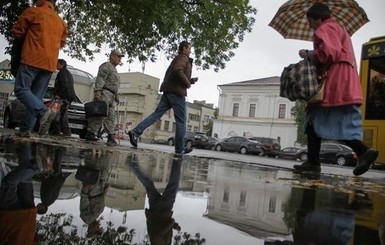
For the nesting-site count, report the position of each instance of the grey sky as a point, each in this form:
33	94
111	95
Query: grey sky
263	53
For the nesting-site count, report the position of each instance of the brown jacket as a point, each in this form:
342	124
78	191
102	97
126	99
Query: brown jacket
178	75
44	33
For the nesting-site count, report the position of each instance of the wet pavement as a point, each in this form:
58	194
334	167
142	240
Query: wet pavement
87	193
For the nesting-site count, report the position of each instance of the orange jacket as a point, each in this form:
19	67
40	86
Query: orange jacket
44	33
18	227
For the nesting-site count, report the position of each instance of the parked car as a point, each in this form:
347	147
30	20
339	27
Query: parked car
204	142
270	146
336	153
14	112
239	144
188	139
293	153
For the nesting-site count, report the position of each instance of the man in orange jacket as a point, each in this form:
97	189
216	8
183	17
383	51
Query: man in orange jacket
43	32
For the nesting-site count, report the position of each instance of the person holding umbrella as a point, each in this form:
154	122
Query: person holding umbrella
338	115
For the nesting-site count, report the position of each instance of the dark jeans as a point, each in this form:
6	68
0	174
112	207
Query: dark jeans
60	124
165	201
168	101
16	191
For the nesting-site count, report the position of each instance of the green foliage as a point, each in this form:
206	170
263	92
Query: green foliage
298	112
142	28
57	229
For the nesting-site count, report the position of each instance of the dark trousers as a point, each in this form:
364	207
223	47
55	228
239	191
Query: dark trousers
61	121
314	145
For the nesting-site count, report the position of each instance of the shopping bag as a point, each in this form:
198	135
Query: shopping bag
55	105
299	81
96	108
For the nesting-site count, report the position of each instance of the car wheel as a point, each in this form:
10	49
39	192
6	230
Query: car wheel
189	144
7	121
262	153
243	150
341	161
218	148
171	142
303	157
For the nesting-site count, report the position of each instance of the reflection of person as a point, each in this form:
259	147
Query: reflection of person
106	89
43	33
338	115
93	192
159	214
51	185
174	87
17	206
65	92
324	226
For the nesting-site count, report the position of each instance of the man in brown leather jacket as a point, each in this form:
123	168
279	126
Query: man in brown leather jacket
174	87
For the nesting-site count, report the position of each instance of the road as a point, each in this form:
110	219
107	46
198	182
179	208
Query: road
328	169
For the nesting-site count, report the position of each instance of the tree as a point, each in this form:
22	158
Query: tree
298	112
141	28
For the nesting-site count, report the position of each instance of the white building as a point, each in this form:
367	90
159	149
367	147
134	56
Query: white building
254	108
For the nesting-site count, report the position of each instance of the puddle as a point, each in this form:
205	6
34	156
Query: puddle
95	194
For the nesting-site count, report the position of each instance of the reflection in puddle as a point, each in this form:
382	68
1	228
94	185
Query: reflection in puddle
101	195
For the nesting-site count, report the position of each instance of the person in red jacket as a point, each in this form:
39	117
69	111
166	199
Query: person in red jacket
43	32
337	116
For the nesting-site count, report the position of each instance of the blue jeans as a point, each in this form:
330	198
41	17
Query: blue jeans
30	87
16	191
167	101
159	202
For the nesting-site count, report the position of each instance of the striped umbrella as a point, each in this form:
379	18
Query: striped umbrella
291	22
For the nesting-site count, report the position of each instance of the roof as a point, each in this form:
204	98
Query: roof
255	82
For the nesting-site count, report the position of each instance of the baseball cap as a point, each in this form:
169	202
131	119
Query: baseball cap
117	53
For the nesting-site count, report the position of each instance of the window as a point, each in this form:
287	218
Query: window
174	127
226	195
272	204
252	110
195	129
157	125
189	128
242	199
166	125
282	111
235	109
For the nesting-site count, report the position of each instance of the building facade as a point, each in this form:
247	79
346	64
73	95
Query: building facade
254	108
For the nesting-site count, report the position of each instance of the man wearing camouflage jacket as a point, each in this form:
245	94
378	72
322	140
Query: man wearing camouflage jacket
106	89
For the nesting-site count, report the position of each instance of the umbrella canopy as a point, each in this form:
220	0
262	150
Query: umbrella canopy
291	22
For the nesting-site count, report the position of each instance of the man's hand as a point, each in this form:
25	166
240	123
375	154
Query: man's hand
303	53
193	80
98	95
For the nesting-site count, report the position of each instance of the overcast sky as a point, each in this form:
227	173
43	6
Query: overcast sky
263	53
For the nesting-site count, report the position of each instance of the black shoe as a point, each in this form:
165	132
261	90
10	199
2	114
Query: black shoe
306	166
111	141
90	136
23	134
364	161
184	152
133	139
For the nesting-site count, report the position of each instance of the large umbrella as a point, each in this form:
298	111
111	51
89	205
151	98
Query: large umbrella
291	22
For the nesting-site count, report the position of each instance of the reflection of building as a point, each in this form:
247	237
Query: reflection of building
254	108
251	201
